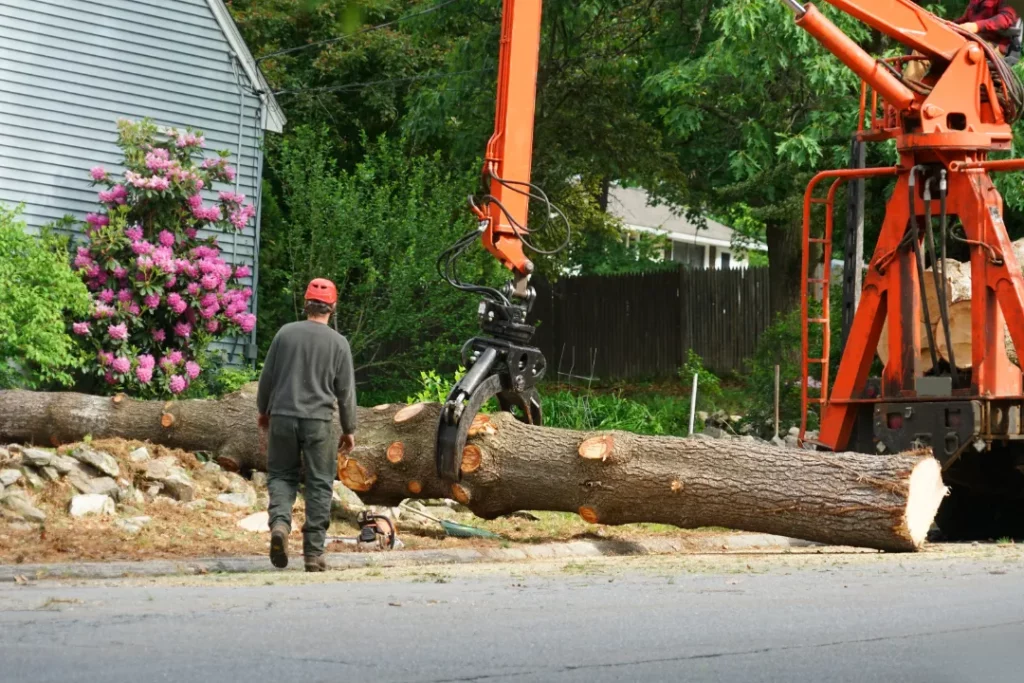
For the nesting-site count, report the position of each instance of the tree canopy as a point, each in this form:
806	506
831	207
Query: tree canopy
722	106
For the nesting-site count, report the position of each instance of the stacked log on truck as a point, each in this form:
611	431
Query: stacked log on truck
958	295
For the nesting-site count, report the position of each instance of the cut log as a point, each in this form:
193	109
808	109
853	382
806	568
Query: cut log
607	478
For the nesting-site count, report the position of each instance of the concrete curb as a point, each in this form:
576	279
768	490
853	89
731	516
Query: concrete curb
354	560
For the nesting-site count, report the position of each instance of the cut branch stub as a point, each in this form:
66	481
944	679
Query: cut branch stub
381	408
471	457
460	494
396	452
409	413
482	426
354	476
598	447
167	420
117	399
414	487
588	514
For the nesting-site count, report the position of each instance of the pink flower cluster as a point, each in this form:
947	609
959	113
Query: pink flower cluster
160	293
115	195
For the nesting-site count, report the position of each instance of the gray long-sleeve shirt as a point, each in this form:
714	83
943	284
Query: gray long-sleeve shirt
307	369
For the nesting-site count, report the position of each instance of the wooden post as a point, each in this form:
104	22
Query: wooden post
776	401
693	402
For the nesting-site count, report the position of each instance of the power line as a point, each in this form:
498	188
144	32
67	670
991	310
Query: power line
368	29
367	84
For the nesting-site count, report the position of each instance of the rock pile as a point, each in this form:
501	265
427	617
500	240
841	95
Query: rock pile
101	486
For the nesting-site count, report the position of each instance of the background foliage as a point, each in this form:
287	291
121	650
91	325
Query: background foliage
37	291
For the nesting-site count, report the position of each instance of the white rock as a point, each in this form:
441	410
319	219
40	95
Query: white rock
10	477
18	502
64	464
199	504
792	441
239	500
50	473
154	490
259	480
258	521
778	441
211	468
104	462
139	455
36	457
92	504
794	431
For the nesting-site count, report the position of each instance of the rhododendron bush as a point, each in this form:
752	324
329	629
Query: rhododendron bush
160	292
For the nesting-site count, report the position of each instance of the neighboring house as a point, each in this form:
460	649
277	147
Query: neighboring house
710	247
70	68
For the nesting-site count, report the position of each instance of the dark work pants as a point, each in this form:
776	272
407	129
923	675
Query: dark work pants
317	441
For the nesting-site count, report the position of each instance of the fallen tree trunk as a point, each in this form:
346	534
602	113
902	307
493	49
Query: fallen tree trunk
605	477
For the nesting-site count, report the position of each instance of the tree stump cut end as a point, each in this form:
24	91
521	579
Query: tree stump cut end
396	452
482	426
925	492
471	457
356	477
460	494
409	413
597	447
588	514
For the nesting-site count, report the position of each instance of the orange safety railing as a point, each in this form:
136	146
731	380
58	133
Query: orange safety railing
841	176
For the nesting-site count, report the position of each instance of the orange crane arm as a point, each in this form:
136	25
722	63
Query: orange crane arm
510	150
908	23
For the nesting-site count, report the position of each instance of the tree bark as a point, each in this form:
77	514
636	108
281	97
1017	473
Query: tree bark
606	477
225	427
785	261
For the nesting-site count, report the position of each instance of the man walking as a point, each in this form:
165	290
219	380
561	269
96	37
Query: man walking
308	368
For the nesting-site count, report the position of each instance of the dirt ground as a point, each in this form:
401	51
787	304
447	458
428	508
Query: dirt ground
177	530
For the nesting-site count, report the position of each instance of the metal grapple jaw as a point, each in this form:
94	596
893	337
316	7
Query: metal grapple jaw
500	366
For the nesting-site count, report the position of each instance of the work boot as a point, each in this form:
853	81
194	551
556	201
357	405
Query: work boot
279	545
316	563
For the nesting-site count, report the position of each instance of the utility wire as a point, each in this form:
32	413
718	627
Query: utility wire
366	84
368	29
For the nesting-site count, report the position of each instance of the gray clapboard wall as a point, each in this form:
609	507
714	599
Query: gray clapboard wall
70	68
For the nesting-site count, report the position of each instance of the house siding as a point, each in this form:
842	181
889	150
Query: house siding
70	68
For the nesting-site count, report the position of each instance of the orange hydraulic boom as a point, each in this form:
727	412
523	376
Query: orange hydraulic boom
501	363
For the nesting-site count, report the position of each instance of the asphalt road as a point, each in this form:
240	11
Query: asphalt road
895	618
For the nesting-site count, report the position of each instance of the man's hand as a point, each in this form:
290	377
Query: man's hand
346	443
970	27
263	421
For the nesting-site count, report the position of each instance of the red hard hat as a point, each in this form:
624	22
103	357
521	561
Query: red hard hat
323	291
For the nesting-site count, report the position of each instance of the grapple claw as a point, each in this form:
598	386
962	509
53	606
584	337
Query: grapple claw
502	370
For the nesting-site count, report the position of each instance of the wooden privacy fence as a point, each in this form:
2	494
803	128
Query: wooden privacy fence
641	326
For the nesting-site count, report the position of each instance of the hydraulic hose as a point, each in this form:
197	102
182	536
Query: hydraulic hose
919	257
